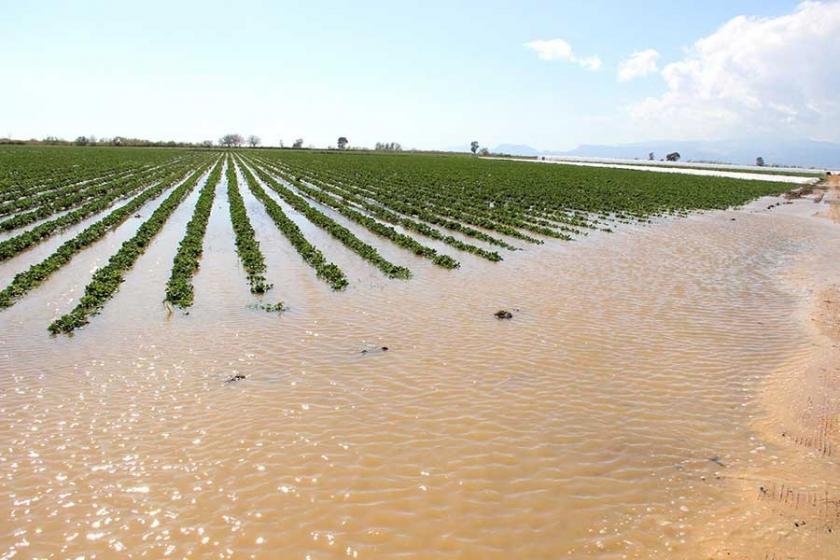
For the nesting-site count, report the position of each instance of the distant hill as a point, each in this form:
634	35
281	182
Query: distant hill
516	150
801	153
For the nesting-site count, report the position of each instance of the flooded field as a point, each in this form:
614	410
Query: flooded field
661	391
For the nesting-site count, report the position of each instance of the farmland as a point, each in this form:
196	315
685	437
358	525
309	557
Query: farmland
469	208
288	353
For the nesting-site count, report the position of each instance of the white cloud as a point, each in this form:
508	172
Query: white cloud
639	64
558	49
753	77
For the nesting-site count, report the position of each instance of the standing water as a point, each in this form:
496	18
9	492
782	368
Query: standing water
627	410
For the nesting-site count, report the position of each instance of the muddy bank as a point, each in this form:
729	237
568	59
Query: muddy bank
831	190
786	503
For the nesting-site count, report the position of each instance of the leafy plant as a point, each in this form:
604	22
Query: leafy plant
179	288
106	281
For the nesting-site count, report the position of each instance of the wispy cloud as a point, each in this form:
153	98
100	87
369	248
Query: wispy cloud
637	65
558	49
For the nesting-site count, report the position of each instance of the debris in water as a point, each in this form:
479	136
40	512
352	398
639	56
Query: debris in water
235	378
503	314
716	460
370	351
278	307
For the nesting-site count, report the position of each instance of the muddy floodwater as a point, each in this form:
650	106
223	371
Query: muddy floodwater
660	392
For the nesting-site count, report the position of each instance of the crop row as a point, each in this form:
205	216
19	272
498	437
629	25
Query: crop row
525	195
521	188
409	209
179	287
392	217
460	206
415	202
58	195
28	169
74	194
310	254
15	245
37	273
371	224
71	180
335	229
106	281
247	246
111	190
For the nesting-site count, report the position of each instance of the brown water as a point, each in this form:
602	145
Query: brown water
622	413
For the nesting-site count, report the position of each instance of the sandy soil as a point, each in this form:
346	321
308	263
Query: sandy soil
791	500
833	197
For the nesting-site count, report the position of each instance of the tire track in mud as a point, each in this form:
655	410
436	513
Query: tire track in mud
818	505
818	423
811	509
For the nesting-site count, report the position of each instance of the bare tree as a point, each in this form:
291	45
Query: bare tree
207	143
759	161
231	140
388	147
281	143
254	140
342	142
298	143
474	146
484	152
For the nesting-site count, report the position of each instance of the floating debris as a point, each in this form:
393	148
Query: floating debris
269	307
716	460
235	378
503	314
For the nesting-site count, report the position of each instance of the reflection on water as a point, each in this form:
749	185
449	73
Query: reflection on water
596	423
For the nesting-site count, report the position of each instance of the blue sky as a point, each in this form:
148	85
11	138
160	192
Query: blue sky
426	74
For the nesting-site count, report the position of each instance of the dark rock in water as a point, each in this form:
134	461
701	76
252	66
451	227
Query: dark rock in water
503	314
732	219
384	348
716	460
380	349
235	378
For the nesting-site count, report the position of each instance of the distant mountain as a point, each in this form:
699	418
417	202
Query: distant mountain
801	153
516	150
798	153
458	149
